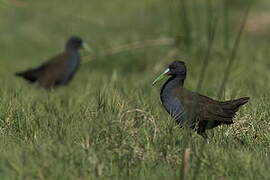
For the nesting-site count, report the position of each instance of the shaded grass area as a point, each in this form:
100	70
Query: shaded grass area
109	123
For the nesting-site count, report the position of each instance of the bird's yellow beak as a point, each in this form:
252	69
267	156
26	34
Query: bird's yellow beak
160	77
86	47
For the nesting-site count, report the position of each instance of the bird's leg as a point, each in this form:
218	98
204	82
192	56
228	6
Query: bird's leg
205	136
201	131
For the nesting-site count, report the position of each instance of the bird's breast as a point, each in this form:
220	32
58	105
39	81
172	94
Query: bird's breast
72	64
173	106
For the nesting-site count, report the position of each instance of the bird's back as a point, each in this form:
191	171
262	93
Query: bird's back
201	108
59	70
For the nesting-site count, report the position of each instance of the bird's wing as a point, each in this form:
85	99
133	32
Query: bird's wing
202	107
54	71
211	110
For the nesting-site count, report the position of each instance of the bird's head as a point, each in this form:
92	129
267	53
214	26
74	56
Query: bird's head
76	43
176	69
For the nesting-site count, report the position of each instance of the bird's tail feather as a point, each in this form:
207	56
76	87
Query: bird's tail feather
30	75
234	105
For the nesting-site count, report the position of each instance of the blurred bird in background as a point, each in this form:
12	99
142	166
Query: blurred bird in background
60	69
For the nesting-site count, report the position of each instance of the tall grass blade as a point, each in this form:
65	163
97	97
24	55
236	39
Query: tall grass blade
211	35
186	24
227	72
233	54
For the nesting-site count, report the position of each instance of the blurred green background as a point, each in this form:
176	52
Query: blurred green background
108	123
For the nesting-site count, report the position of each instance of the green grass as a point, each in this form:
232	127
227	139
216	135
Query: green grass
108	123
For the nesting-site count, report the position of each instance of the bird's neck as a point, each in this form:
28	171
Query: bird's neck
70	50
73	57
170	100
73	54
172	83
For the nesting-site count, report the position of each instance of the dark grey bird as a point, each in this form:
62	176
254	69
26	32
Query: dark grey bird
60	69
191	109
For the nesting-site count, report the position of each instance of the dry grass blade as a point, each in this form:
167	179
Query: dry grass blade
18	3
185	163
147	115
164	41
